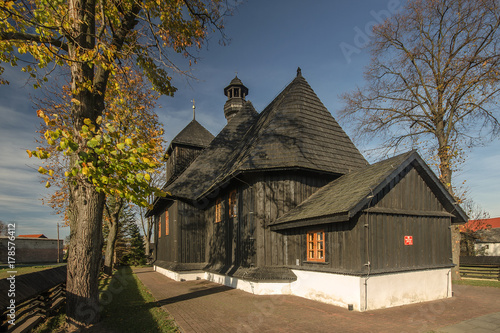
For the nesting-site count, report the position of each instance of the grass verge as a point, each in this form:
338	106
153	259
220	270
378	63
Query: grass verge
478	283
53	323
26	269
129	307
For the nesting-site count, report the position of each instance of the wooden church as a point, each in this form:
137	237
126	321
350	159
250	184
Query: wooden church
282	202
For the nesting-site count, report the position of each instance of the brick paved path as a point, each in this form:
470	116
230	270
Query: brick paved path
202	306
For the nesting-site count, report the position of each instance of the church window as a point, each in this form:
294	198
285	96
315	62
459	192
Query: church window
218	210
159	227
316	246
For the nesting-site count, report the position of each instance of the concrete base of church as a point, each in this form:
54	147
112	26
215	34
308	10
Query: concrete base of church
361	292
376	291
180	276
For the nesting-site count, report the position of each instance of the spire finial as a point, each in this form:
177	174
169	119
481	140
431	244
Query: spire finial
194	107
299	71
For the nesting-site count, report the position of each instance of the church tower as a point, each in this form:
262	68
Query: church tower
236	93
185	147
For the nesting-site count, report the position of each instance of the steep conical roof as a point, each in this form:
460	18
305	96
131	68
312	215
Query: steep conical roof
296	130
194	134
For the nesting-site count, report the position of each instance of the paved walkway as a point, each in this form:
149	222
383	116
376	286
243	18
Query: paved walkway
202	306
483	324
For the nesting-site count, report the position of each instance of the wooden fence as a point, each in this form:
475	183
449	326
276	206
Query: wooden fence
480	272
480	267
36	296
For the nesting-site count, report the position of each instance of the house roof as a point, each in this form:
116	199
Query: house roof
33	236
294	131
194	134
488	236
344	197
494	222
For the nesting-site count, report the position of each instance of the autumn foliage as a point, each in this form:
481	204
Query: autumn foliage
94	42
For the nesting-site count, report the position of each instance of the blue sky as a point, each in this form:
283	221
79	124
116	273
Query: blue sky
269	40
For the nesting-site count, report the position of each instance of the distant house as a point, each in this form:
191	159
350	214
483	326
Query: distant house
282	202
32	250
488	241
32	236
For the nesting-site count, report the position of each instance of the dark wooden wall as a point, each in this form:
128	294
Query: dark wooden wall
246	240
276	194
345	249
232	241
179	160
190	226
409	192
166	249
405	207
387	251
408	207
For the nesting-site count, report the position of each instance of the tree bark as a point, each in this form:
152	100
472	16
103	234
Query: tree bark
113	210
82	294
86	204
110	247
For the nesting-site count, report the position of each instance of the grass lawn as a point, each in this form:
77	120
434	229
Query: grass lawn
127	307
26	269
478	283
131	307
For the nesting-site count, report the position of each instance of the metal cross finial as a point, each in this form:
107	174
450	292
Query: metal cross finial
194	107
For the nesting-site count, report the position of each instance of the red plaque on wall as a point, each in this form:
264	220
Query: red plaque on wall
408	240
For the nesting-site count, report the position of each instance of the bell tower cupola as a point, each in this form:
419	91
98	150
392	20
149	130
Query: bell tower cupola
236	93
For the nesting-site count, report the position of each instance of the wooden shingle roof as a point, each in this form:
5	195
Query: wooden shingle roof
295	131
488	236
344	197
194	134
202	172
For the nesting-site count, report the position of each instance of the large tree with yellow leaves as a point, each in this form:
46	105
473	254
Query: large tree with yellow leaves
94	39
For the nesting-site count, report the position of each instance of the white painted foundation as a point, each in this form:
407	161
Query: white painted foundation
180	276
256	288
363	293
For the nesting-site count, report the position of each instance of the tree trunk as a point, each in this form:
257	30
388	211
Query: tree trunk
110	247
146	245
82	294
445	177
